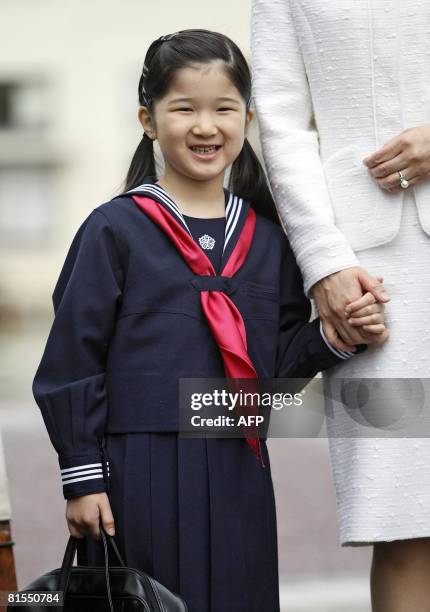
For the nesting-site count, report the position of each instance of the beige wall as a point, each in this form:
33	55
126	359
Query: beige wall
90	54
5	509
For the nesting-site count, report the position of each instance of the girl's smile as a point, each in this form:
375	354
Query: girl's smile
205	152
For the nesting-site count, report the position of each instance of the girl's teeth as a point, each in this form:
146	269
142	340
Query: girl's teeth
204	149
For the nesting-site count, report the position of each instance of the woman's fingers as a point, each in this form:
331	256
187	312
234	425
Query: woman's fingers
392	182
365	300
408	152
391	166
388	151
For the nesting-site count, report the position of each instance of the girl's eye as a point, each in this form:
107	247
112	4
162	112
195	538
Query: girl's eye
185	108
225	108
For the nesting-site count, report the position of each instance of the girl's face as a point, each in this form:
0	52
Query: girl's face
199	123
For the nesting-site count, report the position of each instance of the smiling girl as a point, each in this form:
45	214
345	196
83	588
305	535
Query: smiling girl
178	277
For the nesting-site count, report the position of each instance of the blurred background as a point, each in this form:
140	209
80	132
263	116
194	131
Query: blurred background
68	127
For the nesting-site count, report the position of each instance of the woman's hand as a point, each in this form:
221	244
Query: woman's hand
333	293
408	152
368	314
83	515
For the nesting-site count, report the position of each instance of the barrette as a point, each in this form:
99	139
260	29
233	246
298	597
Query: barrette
168	36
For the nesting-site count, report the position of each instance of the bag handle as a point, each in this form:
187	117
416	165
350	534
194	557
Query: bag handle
69	555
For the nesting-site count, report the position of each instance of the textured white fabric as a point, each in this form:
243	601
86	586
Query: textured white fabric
383	485
334	80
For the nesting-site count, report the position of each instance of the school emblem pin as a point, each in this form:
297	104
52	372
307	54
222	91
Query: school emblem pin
207	242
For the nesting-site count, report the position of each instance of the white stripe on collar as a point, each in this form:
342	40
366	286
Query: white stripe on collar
232	219
232	210
164	197
229	203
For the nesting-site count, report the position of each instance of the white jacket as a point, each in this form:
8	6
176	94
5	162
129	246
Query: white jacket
333	81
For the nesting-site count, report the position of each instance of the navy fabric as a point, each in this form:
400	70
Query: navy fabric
197	514
214	228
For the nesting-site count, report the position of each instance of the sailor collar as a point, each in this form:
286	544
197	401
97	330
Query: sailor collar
236	209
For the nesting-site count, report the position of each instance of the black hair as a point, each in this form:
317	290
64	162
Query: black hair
164	58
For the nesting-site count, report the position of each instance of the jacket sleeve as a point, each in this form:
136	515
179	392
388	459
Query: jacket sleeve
303	350
69	385
290	144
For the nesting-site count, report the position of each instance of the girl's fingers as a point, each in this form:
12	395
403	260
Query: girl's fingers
365	300
375	329
107	516
373	319
368	310
75	532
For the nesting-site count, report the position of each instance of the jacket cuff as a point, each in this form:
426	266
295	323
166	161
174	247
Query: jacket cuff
84	474
336	354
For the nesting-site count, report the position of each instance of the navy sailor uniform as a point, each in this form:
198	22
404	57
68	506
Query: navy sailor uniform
197	514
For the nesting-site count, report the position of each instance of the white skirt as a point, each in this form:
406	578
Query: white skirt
383	484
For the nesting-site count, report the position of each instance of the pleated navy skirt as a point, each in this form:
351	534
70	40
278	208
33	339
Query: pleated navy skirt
198	515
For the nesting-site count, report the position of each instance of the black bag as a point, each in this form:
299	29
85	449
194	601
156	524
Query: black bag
102	588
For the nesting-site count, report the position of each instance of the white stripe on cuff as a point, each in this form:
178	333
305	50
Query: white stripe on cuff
339	353
80	467
81	479
81	472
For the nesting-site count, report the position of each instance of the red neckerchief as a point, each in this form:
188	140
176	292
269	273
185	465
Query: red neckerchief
224	319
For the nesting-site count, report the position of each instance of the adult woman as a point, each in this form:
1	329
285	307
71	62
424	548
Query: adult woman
336	84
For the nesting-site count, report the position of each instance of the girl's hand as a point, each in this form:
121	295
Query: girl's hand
83	515
408	152
368	314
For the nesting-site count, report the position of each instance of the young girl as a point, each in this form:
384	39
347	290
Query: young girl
178	277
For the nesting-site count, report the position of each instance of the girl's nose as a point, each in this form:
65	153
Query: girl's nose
204	127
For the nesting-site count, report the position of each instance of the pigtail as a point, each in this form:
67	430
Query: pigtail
142	164
248	179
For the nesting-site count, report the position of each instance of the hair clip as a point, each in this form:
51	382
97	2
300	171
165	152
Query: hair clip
168	36
146	98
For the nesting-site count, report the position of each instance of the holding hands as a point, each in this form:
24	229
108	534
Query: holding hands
351	307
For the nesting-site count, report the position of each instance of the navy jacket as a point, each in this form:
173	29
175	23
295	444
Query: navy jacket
128	324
